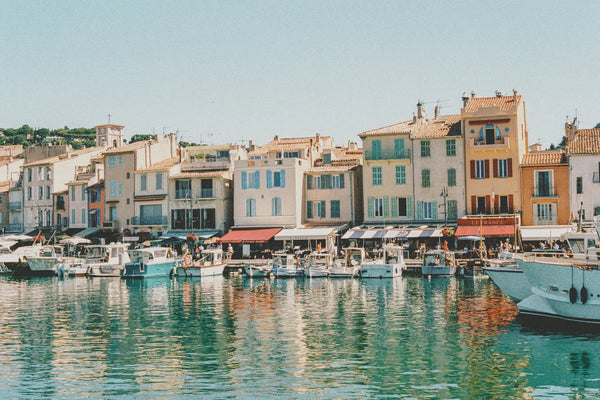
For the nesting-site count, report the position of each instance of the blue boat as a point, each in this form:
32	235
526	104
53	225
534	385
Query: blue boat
150	262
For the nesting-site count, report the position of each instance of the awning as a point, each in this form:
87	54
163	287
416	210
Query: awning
486	230
72	231
87	232
202	234
250	235
535	233
305	233
392	233
75	241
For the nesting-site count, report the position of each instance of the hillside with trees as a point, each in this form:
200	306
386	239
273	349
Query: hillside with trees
28	136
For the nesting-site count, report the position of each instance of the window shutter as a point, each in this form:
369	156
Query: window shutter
309	182
386	207
244	180
257	180
370	207
341	181
434	209
495	167
322	182
394	206
509	164
309	210
510	203
497	204
472	169
487	204
323	205
419	210
487	169
409	207
282	178
474	204
269	179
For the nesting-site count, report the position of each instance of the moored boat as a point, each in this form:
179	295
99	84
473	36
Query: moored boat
104	260
149	262
211	263
258	270
16	261
349	266
286	266
318	265
48	259
438	263
390	265
507	275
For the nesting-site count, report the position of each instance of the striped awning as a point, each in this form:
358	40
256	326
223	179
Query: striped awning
410	233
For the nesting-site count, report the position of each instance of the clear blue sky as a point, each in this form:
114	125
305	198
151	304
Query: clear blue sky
252	69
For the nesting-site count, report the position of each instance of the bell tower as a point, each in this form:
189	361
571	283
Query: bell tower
109	135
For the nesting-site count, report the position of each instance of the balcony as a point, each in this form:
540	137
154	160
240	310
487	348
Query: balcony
60	206
544	192
14	228
205	193
387	155
14	206
183	194
596	177
111	224
156	220
481	145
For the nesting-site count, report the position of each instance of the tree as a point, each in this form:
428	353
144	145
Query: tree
139	138
597	126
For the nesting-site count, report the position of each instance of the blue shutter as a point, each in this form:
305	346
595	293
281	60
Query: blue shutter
257	180
269	179
282	179
309	210
481	134
386	207
323	205
370	207
419	210
309	182
434	209
244	180
394	207
341	181
409	207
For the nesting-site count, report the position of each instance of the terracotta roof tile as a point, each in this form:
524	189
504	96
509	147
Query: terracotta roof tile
128	147
548	157
52	160
290	144
402	127
161	166
505	103
443	125
203	174
586	141
332	167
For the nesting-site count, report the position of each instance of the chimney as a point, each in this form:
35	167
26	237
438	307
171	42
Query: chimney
515	94
414	119
420	110
571	129
472	94
436	112
276	137
465	98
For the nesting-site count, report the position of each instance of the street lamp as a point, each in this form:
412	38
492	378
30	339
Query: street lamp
444	194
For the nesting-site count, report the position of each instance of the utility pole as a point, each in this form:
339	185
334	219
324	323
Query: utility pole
444	194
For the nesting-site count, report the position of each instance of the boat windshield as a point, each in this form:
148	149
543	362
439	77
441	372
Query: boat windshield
576	245
431	259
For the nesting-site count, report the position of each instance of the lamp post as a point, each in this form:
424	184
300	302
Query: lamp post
444	194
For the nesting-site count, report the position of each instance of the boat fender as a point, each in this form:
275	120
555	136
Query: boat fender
573	295
584	295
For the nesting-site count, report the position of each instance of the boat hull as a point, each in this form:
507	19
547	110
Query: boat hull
140	270
256	272
316	273
436	270
511	281
200	271
287	272
105	270
381	270
343	272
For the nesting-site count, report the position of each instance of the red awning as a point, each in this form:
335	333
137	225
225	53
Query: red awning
486	230
250	235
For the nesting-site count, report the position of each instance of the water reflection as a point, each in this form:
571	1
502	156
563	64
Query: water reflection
233	337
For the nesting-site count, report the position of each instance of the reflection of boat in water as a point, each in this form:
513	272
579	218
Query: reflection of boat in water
210	263
438	263
150	262
349	266
390	265
507	275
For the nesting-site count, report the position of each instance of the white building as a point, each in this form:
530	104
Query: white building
583	150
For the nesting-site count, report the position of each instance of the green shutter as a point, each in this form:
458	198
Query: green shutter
394	207
370	207
386	207
341	181
309	210
409	207
434	210
309	182
323	205
419	210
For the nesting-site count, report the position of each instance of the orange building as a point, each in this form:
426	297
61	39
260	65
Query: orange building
545	188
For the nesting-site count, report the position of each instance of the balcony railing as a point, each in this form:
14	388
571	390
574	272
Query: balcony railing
60	205
150	220
205	193
544	192
111	224
596	177
183	194
477	144
14	205
387	155
14	228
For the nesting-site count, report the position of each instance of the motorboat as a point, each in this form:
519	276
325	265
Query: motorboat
48	259
286	266
149	262
211	263
349	266
438	263
258	270
318	264
389	265
16	261
508	276
106	259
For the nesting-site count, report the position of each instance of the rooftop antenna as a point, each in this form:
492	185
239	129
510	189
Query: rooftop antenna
108	115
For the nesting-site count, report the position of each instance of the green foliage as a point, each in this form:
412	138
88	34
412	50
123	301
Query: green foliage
139	138
186	144
597	126
27	136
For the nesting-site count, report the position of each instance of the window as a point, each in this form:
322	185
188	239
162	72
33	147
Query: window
47	173
400	175
480	169
309	209
481	205
250	180
29	192
250	208
490	131
120	189
425	148
335	181
376	149
544	212
128	175
325	181
378	207
451	147
222	153
29	174
113	188
291	154
112	213
83	211
452	210
48	192
143	182
326	158
48	218
73	221
425	178
427	210
309	182
504	206
111	161
275	206
377	179
451	177
159	180
120	160
579	185
72	193
82	193
335	208
543	184
40	192
503	168
320	209
399	148
402	207
276	179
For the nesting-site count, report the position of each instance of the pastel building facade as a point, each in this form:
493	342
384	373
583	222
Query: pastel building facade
583	150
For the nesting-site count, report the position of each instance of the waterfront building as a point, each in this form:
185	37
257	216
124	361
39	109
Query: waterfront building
545	188
95	198
583	151
46	176
78	213
11	161
4	191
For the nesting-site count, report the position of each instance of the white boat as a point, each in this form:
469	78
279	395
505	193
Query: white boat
149	262
286	266
48	259
438	263
106	259
390	265
349	266
318	265
507	275
258	270
16	261
211	263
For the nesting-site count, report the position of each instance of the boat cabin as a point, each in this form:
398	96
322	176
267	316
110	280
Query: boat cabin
438	257
354	256
211	257
110	253
150	254
284	260
319	260
582	244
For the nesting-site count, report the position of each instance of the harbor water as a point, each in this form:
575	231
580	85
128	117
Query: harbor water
232	337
